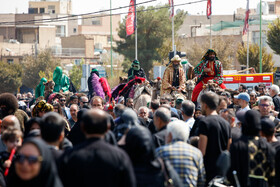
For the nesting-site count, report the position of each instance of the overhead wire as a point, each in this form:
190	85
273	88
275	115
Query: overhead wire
96	16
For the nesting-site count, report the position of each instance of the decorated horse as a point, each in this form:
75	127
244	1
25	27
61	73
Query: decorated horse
142	95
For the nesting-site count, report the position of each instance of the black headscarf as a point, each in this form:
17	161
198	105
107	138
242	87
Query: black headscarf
252	125
140	146
29	123
47	177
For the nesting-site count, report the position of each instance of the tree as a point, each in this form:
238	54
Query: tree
223	46
154	26
43	65
273	36
10	77
254	52
76	74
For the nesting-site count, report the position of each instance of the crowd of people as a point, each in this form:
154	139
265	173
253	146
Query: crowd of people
74	141
67	139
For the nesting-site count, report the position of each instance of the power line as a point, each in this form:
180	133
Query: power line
52	19
97	16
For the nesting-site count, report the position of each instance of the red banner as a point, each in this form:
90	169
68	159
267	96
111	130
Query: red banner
209	9
171	4
130	20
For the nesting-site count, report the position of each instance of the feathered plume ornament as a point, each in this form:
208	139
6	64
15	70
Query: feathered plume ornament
96	85
105	86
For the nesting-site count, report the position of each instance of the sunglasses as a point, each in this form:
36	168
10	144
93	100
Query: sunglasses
62	100
30	159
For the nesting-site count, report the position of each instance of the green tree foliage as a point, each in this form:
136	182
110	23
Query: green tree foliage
10	77
76	74
44	65
254	52
154	26
273	36
224	47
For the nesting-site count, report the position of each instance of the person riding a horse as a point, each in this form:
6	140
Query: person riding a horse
210	68
174	77
135	70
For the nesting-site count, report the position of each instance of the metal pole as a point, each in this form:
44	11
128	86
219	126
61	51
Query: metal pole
173	42
211	32
247	51
135	32
260	36
111	38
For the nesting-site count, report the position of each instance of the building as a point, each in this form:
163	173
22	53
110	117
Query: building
50	7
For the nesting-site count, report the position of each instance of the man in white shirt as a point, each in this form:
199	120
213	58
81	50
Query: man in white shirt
188	109
243	101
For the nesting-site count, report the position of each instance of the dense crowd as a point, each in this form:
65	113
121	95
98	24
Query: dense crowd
73	141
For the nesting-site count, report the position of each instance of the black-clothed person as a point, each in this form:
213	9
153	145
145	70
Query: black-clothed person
159	137
147	168
95	162
47	177
252	157
218	132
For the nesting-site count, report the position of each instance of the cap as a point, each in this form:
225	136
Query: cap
243	96
176	58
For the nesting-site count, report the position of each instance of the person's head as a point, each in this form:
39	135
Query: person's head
242	88
253	98
34	164
8	104
33	123
252	123
74	109
188	108
234	97
121	100
74	100
118	110
209	102
222	104
95	122
135	65
29	95
12	138
243	99
162	117
129	103
261	89
176	61
140	146
177	130
274	90
197	112
178	102
154	105
62	101
265	105
229	115
211	55
52	128
227	96
41	108
268	128
143	112
57	108
97	102
10	121
83	101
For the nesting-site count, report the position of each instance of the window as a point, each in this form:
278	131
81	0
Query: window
108	39
74	30
10	61
77	61
271	8
42	10
96	21
51	9
256	38
60	31
32	10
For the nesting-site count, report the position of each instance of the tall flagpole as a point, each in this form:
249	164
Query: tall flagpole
211	32
136	57
248	38
111	51
260	36
173	42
